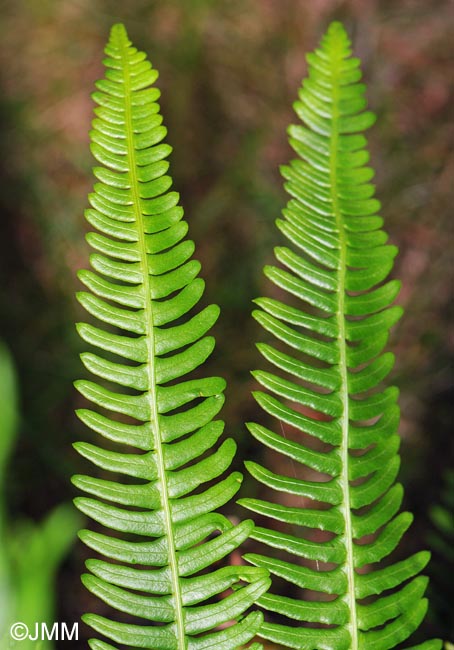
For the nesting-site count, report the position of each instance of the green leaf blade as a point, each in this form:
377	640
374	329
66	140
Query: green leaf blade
336	505
167	474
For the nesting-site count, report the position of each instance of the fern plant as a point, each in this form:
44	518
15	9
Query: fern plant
162	569
337	422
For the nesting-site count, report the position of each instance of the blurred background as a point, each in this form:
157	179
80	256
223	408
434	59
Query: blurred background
229	72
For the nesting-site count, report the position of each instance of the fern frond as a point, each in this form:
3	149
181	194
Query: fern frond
160	429
335	418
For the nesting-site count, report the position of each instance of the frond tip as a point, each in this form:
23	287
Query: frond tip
337	424
144	290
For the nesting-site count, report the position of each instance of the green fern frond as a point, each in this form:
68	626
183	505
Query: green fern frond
145	283
336	419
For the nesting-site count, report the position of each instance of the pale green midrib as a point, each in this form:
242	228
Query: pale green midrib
345	485
149	333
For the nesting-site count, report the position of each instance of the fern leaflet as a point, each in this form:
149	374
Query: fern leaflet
336	419
145	283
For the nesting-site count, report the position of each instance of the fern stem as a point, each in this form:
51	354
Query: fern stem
155	444
343	392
